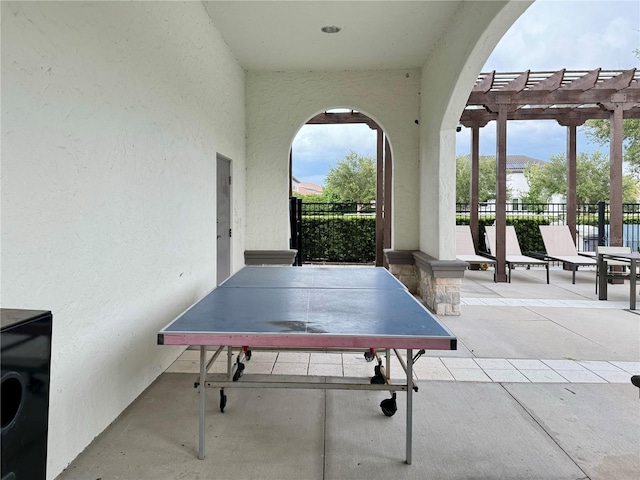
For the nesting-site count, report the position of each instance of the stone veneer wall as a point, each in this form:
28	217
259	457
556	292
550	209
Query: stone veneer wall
436	282
401	266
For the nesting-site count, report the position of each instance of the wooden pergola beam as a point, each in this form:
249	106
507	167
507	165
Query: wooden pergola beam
552	113
332	118
558	97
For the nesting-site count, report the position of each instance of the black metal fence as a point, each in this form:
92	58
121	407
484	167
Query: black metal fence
346	232
592	222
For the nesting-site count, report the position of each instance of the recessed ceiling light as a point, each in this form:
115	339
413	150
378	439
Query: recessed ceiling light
330	29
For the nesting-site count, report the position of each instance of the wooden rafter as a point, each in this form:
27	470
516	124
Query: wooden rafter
585	82
484	84
550	83
517	84
618	82
558	95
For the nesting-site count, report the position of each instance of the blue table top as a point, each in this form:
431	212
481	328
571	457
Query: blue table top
313	277
348	306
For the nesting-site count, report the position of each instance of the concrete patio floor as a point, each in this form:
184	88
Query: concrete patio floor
538	389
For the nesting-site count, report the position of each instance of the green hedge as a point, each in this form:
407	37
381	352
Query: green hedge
353	238
339	239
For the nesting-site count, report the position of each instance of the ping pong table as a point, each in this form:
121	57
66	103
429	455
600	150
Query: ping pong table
309	308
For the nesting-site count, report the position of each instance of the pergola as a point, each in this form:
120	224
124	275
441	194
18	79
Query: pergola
570	98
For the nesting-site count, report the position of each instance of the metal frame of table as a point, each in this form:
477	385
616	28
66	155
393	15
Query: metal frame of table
632	258
231	292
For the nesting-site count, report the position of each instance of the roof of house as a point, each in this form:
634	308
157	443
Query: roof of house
306	188
517	163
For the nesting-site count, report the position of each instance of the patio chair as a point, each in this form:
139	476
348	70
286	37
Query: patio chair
560	248
513	254
466	250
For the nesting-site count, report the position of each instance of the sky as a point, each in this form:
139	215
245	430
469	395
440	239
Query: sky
550	35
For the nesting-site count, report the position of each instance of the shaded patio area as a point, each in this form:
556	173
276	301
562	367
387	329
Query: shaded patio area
539	388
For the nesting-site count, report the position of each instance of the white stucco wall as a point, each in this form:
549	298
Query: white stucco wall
447	78
279	103
112	115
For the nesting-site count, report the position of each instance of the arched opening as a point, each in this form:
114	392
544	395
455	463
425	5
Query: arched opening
331	227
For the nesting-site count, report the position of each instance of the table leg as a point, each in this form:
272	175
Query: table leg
388	364
409	404
602	278
203	389
632	283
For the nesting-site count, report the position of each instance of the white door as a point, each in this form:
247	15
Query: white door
223	220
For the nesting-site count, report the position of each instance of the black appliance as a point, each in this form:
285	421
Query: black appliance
26	365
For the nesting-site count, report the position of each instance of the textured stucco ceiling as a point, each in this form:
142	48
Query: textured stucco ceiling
285	35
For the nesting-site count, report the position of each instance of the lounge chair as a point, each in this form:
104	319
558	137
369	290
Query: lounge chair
466	250
560	248
513	254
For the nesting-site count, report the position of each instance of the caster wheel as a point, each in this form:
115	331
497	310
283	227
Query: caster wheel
369	356
239	371
389	406
248	354
223	401
378	378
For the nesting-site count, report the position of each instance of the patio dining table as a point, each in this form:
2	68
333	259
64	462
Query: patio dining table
632	258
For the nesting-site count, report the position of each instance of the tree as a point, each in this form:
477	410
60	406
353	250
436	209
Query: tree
537	192
592	180
486	179
599	131
353	179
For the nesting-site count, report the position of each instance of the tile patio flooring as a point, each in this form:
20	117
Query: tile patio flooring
426	368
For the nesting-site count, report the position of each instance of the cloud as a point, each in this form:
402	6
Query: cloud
550	35
316	148
577	35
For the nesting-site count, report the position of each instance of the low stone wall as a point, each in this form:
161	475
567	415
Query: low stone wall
402	266
436	282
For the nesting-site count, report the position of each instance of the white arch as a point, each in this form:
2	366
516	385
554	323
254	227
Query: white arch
278	103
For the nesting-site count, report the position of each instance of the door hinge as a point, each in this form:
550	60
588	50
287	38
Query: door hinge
229	179
229	232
